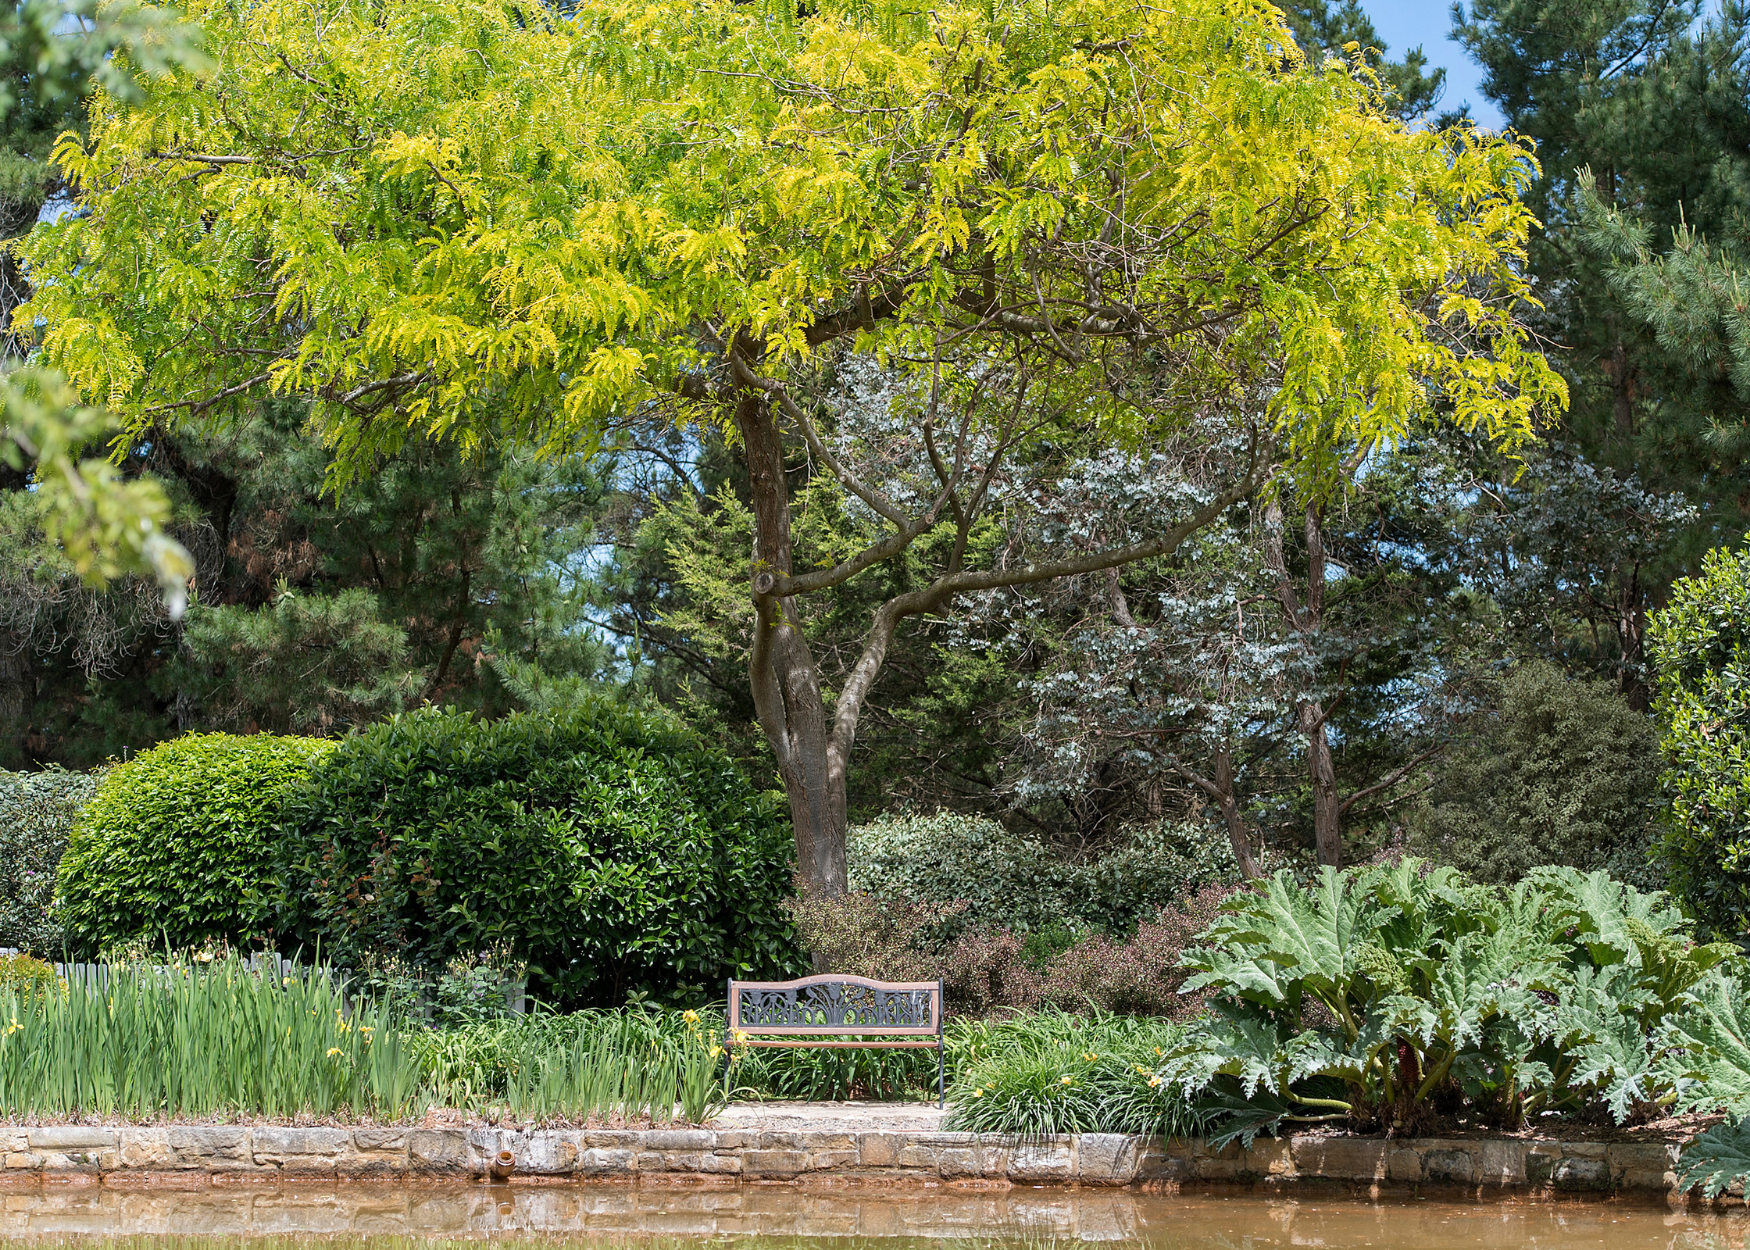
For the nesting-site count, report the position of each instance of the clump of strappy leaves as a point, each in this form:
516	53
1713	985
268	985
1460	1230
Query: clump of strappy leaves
1392	996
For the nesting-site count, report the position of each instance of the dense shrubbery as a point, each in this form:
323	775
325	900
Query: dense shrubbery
1010	881
37	811
176	844
984	968
1561	771
607	848
1700	645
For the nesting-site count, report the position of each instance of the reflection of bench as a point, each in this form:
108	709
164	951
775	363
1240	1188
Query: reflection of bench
810	1013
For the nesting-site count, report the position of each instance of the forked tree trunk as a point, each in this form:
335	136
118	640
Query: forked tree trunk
812	749
783	672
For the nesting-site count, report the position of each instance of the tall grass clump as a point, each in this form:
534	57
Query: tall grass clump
1053	1072
199	1040
631	1064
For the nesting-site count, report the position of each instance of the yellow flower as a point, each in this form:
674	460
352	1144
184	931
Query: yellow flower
1065	1080
1153	1081
979	1092
690	1016
1158	1052
1089	1055
715	1051
333	1051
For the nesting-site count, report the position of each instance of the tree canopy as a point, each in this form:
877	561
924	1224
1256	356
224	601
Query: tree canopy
1093	222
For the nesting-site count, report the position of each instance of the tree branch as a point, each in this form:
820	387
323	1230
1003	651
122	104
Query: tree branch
1391	779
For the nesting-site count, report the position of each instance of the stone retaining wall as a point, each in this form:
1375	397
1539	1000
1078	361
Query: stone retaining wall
124	1153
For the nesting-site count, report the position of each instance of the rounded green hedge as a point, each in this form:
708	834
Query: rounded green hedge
176	843
607	847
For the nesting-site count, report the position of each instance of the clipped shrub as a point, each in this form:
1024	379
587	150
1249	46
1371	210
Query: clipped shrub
1012	881
37	811
607	847
1561	770
1700	646
176	844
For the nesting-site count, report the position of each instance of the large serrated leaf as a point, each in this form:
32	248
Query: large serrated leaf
1716	1159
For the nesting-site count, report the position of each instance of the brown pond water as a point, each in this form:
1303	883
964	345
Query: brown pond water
398	1217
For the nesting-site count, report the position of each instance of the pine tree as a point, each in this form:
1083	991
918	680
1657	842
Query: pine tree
1641	114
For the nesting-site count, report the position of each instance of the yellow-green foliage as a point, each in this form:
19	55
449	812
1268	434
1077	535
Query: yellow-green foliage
175	846
398	208
24	974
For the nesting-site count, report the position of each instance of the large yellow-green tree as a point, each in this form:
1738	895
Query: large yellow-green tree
1055	222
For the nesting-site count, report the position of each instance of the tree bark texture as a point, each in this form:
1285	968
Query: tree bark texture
1305	619
785	677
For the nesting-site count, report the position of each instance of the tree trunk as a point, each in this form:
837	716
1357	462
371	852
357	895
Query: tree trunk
1228	802
783	672
1327	807
1310	714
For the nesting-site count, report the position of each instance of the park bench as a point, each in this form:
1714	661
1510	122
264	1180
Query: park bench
838	1012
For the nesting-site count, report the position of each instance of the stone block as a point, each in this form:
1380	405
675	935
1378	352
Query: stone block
1048	1160
679	1139
726	1165
827	1141
678	1161
1453	1165
1104	1159
67	1162
1584	1150
914	1155
774	1162
1404	1166
1643	1165
146	1148
1341	1158
782	1141
1153	1163
380	1139
831	1160
599	1161
290	1142
1269	1156
546	1154
878	1150
212	1147
955	1161
70	1137
1502	1163
612	1139
439	1151
1580	1174
19	1161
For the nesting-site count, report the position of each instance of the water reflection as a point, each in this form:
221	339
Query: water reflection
358	1215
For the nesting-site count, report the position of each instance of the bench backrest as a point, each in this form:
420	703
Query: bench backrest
835	1004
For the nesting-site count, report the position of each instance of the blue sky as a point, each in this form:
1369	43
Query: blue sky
1405	23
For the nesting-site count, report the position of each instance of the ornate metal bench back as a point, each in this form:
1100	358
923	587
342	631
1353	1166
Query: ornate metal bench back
827	1006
